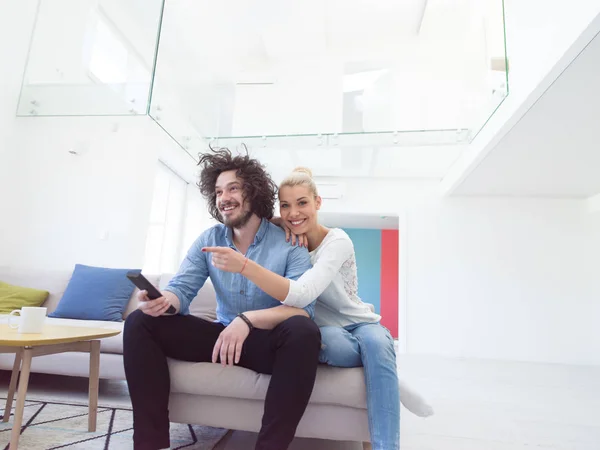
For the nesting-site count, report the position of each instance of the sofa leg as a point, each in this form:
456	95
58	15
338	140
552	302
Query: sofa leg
367	446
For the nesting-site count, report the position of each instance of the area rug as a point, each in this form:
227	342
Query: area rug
54	425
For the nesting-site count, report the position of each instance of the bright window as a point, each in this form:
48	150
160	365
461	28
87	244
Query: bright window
167	216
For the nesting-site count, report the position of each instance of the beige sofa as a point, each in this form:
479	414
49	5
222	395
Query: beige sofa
204	393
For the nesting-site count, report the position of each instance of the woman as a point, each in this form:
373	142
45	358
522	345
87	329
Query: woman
351	333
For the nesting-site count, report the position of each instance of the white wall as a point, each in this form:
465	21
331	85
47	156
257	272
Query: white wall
566	290
91	208
197	217
491	277
60	209
593	269
15	29
501	278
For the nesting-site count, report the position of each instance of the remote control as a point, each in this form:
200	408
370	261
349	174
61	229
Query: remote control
142	283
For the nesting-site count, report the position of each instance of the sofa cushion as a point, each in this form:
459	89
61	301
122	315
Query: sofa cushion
113	344
334	385
204	305
95	293
55	282
16	297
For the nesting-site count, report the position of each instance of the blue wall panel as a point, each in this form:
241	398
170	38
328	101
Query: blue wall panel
367	246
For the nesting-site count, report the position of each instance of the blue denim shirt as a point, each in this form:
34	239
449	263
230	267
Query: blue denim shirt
235	293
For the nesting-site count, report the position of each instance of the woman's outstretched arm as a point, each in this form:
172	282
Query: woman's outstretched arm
298	293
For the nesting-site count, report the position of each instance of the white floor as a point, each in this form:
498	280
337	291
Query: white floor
480	405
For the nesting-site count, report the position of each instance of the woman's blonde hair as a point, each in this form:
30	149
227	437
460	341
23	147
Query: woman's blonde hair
301	176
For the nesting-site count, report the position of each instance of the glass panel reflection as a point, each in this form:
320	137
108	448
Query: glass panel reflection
418	72
96	60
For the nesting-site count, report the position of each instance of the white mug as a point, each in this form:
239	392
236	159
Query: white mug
32	319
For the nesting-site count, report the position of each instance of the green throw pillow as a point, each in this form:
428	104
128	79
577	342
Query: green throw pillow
15	297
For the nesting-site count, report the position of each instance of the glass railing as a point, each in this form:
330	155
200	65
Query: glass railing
297	75
329	73
96	60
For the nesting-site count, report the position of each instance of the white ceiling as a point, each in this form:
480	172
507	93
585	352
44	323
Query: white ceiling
554	150
253	36
431	162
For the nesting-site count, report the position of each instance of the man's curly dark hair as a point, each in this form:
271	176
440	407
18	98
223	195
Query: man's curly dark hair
258	187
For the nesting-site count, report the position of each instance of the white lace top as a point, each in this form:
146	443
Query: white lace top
333	279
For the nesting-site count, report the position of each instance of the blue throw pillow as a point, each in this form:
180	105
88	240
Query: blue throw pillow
95	293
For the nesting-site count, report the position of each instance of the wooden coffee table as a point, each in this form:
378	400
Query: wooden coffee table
53	339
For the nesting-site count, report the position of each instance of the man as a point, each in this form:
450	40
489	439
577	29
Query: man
252	330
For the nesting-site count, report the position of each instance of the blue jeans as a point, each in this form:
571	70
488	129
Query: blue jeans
369	345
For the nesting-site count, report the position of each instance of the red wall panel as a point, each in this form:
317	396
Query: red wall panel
389	280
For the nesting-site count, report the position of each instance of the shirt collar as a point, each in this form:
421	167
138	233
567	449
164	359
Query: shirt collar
262	230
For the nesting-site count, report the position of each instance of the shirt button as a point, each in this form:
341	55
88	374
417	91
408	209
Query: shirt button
242	292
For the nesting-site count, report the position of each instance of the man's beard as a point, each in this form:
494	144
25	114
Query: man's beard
239	221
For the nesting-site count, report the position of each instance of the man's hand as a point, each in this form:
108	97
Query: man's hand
230	342
154	308
226	259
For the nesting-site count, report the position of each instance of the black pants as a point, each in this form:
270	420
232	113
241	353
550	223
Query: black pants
289	353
